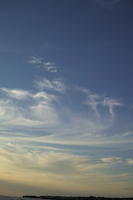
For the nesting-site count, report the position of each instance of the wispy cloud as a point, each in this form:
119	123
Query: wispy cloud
111	104
50	66
48	110
35	60
16	93
54	161
23	108
54	85
42	135
45	65
111	160
95	101
77	171
130	161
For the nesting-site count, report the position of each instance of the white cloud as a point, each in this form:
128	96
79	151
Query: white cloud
16	93
35	60
128	133
111	160
36	109
40	63
130	161
96	101
93	101
59	169
50	66
111	104
54	85
53	161
55	119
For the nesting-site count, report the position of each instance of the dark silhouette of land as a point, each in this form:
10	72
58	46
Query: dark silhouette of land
76	198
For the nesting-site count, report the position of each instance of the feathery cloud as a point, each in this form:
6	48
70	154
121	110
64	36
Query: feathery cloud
36	110
43	136
16	93
54	85
95	101
41	63
111	104
45	111
35	60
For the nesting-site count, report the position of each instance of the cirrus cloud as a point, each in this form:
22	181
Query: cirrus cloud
42	64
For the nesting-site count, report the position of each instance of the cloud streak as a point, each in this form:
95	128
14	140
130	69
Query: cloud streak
96	101
47	111
80	171
23	108
54	85
42	64
42	135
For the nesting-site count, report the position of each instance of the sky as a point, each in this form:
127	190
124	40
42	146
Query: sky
66	101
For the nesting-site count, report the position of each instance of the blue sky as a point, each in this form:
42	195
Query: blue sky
66	103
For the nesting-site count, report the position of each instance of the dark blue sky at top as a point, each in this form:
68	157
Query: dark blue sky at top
92	43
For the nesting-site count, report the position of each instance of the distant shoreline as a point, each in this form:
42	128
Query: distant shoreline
76	197
61	197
